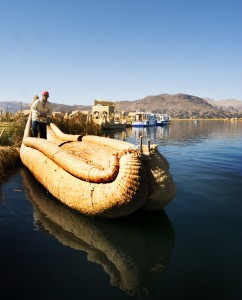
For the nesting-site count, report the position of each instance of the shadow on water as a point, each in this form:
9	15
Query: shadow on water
133	251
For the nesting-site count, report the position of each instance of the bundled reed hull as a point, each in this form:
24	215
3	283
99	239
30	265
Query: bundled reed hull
94	175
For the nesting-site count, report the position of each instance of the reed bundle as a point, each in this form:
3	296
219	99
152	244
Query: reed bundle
161	185
98	176
9	160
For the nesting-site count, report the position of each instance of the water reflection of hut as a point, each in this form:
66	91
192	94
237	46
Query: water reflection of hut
134	251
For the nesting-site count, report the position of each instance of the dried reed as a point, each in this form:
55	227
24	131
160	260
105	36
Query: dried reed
98	176
9	160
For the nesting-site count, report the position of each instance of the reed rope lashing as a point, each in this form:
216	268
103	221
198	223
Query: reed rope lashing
65	143
92	190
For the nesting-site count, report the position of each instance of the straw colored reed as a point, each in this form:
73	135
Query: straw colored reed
98	176
162	188
77	166
64	136
120	197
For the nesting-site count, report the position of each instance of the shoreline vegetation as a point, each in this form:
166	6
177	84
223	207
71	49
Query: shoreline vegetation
208	119
9	160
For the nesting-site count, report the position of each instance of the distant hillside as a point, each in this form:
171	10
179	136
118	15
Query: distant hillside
230	102
225	102
176	106
14	106
180	106
64	108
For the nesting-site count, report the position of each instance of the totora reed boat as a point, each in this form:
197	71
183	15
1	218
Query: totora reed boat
98	176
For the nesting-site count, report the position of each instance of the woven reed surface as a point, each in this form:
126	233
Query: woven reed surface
78	166
162	188
52	137
64	136
99	176
108	142
97	156
124	195
27	131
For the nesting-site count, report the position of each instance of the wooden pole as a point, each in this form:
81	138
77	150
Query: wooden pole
149	146
141	138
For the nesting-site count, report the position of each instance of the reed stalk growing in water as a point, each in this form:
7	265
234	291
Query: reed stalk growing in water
9	160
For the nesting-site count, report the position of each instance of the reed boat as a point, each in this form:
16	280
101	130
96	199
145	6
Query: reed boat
98	176
162	119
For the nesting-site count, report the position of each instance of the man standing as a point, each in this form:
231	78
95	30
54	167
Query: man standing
41	111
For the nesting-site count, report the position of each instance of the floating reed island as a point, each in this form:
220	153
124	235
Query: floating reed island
98	176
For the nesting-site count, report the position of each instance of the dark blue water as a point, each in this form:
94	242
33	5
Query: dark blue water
192	250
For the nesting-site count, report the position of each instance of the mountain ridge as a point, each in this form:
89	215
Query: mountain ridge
225	102
175	105
182	106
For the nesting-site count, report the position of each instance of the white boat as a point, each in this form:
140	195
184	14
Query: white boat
162	119
144	119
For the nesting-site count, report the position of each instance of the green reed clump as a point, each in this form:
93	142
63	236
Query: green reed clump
13	133
73	127
9	160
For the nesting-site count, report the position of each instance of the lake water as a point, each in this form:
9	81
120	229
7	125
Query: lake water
192	250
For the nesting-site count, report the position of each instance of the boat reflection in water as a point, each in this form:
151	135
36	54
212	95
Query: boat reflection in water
152	133
134	250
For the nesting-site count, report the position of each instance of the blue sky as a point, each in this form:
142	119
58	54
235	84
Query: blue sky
82	50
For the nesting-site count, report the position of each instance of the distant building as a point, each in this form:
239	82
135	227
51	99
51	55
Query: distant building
102	109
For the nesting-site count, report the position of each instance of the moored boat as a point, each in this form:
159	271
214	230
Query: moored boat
144	119
162	119
98	176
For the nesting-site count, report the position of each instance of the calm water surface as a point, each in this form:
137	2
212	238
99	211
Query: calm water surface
192	250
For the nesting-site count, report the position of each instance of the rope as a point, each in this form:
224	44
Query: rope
65	143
